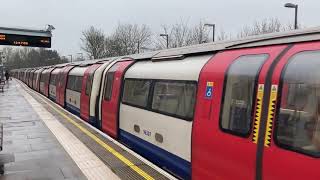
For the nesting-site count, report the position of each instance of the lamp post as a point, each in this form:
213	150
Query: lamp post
295	6
81	55
167	38
213	29
138	46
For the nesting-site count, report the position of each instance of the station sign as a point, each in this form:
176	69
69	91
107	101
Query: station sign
25	40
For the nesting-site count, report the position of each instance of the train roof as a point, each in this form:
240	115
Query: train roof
310	34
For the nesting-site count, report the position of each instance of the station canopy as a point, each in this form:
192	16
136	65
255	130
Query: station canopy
25	37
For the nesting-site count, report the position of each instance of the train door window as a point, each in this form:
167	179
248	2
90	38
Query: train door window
108	86
174	98
89	84
53	79
239	94
298	120
35	76
136	92
42	77
71	82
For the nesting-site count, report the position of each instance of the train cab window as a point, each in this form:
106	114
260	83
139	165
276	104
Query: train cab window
89	84
108	86
239	94
136	92
174	98
298	119
53	79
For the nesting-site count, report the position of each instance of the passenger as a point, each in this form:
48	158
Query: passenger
312	128
7	75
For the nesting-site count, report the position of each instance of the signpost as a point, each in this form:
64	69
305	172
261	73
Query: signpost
25	37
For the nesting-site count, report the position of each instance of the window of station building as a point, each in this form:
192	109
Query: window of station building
298	120
89	84
53	79
174	98
239	94
108	86
136	92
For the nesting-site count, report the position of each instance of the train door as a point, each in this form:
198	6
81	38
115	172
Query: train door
228	110
86	91
62	84
111	96
46	82
292	141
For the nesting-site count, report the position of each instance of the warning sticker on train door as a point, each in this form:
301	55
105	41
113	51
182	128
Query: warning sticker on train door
271	113
209	90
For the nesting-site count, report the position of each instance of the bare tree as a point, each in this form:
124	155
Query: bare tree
93	42
181	34
128	39
222	35
263	27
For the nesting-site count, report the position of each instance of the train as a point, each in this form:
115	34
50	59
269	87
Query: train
237	109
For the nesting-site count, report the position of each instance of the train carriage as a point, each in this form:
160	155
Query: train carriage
53	83
30	76
110	95
90	91
36	79
155	94
45	80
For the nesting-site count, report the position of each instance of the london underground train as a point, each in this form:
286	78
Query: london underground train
243	109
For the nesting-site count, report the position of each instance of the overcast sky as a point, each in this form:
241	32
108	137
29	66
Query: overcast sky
71	17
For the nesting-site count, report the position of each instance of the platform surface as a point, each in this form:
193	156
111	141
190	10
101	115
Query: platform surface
47	142
37	153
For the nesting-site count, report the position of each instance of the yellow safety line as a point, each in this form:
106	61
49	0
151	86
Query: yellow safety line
101	143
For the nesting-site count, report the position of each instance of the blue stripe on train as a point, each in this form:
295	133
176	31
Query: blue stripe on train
93	121
160	157
53	98
74	110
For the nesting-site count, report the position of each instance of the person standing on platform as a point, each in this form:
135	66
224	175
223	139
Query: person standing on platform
7	75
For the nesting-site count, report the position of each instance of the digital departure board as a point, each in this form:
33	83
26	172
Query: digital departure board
25	40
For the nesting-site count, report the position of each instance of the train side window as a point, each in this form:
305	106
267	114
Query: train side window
108	86
136	92
78	84
42	77
298	120
239	94
175	98
71	82
53	79
89	84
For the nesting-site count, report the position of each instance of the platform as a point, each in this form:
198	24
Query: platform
48	142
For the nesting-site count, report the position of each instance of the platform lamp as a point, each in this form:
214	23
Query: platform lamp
295	6
213	29
167	38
